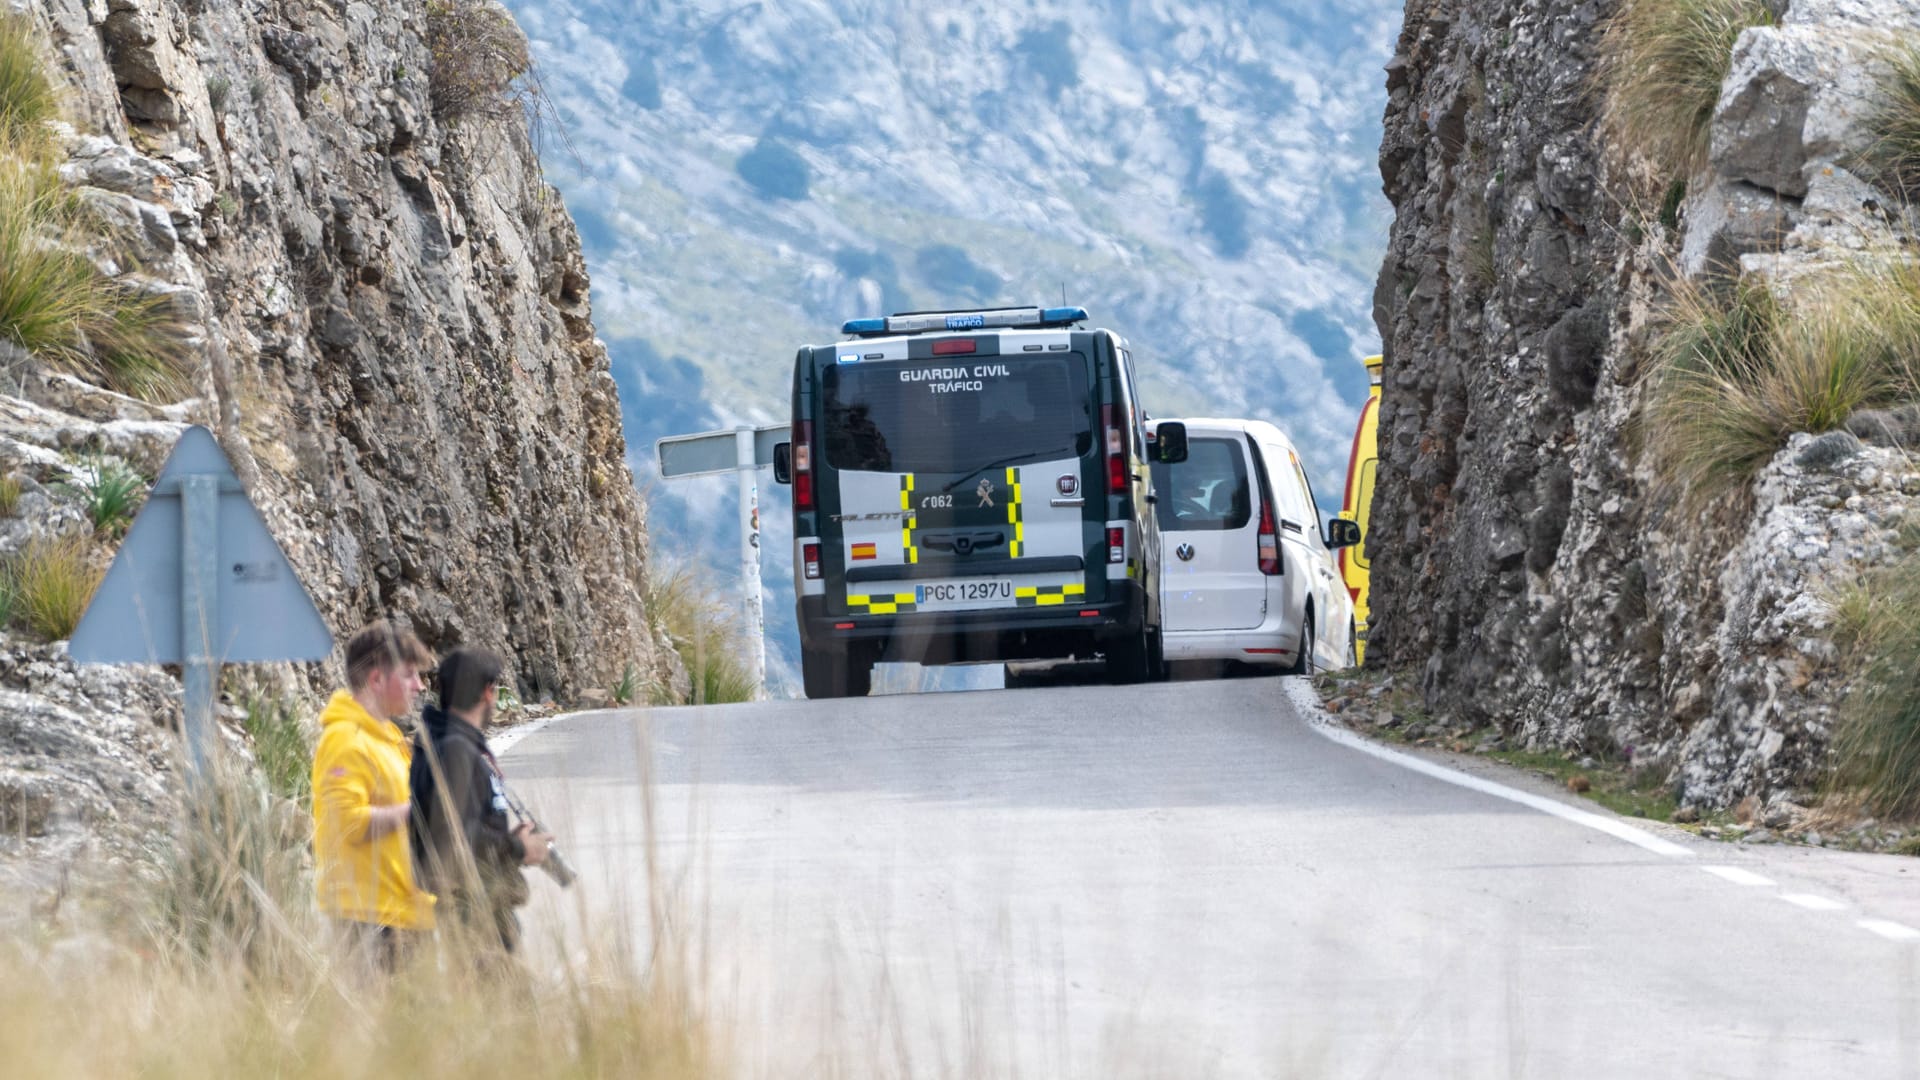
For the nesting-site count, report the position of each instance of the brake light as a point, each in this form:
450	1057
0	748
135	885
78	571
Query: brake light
1116	451
953	347
1269	540
1116	545
810	560
803	468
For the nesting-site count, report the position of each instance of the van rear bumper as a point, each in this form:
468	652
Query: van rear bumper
959	637
1274	643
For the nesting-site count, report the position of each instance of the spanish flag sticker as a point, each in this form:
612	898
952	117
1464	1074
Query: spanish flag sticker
865	551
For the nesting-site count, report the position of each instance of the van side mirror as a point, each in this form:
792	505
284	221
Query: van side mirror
783	463
1170	442
1342	533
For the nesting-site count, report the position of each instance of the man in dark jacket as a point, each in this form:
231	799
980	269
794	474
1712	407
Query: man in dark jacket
464	846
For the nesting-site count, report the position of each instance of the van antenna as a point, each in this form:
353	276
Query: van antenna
1063	294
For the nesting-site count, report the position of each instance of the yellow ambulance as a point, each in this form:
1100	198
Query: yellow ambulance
1361	467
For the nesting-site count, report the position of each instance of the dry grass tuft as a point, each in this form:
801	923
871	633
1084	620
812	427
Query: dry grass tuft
27	99
1876	747
51	582
56	304
1661	66
705	631
11	488
1895	152
1738	372
478	52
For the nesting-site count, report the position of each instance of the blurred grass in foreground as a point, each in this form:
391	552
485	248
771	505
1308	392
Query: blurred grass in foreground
212	961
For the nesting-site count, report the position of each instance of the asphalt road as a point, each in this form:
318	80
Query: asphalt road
1189	879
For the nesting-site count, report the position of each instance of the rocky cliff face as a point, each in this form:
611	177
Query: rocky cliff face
1537	577
394	332
390	333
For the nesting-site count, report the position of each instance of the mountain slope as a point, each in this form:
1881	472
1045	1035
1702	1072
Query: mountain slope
1199	176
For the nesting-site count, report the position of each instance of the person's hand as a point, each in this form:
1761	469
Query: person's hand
535	843
388	819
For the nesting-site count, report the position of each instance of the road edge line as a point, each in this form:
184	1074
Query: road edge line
1301	695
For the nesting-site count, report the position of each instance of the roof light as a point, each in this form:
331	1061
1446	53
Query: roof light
921	322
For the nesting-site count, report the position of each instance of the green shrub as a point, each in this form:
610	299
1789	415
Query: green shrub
281	746
1661	66
1895	124
52	581
56	304
629	685
27	99
706	634
1876	747
112	493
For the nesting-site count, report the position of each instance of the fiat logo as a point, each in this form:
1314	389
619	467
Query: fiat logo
1185	551
1068	485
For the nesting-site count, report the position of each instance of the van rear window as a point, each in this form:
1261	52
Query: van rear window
954	415
1205	493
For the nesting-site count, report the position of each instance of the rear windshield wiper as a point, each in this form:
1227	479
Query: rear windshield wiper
978	469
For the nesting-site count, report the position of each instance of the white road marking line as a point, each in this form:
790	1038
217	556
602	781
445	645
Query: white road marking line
1737	875
1304	698
1892	931
1812	902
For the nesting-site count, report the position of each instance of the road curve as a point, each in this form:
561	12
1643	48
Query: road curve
1184	880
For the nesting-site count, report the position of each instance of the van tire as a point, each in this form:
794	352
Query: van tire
827	673
1303	662
1133	659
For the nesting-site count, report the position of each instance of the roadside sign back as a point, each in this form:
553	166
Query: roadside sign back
711	453
260	610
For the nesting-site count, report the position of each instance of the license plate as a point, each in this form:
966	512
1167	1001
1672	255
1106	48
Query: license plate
968	594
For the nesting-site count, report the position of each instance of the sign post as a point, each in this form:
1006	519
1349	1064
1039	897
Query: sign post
199	582
742	451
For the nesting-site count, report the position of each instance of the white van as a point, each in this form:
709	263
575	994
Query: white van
1248	571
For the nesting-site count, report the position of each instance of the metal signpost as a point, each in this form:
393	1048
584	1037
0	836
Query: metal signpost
199	582
741	451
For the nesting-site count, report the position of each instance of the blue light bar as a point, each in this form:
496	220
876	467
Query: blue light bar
1029	318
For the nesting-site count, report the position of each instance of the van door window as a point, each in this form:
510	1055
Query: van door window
1313	505
1208	492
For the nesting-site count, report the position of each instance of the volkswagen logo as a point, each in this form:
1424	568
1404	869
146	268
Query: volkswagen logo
1185	551
1068	485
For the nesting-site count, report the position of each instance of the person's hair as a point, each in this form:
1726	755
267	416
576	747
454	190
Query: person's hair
464	677
382	646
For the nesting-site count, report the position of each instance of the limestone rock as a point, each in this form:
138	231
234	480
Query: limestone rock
1534	579
391	328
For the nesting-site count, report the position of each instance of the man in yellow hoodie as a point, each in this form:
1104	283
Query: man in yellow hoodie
363	863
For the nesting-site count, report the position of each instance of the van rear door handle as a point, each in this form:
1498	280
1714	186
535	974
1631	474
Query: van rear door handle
1067	502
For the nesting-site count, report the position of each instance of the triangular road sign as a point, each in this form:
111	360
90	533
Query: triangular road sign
259	609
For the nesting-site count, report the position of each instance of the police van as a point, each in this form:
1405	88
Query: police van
971	487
